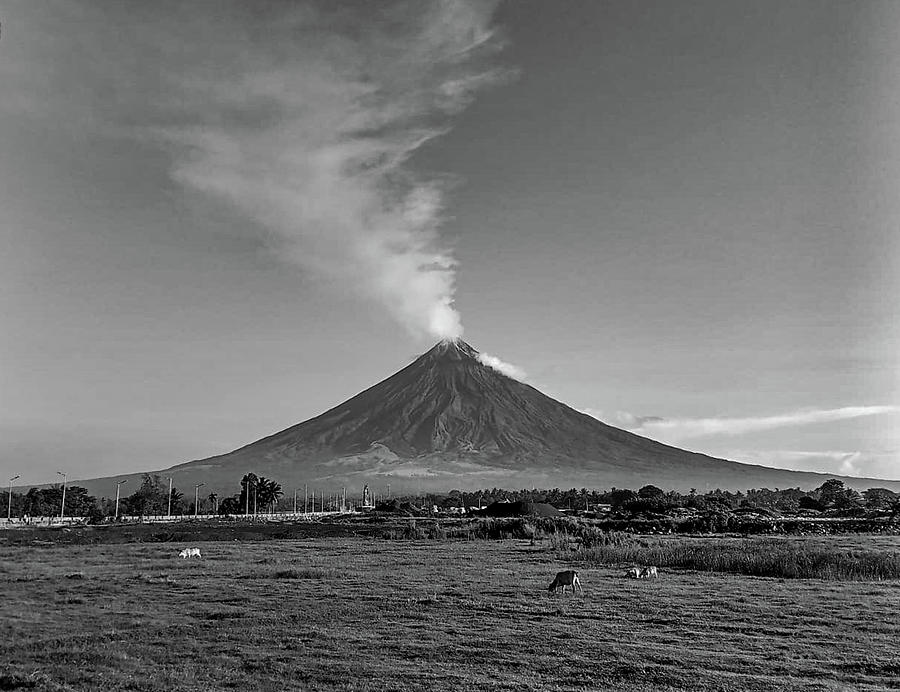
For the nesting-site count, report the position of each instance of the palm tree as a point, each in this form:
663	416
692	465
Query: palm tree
276	492
177	496
249	481
214	501
268	492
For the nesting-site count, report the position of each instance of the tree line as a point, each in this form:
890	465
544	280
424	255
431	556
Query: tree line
258	494
152	498
832	495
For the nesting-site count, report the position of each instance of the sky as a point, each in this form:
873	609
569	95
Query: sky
220	219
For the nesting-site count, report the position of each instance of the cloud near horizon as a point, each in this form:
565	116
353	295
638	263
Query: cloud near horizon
676	429
859	463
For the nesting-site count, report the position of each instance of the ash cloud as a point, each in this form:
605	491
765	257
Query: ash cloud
312	139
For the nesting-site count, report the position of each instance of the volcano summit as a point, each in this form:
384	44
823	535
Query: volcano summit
449	420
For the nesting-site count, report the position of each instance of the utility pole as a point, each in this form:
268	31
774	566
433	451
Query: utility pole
9	506
389	492
118	485
305	499
62	509
295	500
254	499
169	509
247	497
197	498
344	499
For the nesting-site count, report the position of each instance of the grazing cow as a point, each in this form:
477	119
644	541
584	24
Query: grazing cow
634	573
189	552
564	579
649	572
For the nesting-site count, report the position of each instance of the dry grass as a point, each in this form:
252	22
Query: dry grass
790	558
423	615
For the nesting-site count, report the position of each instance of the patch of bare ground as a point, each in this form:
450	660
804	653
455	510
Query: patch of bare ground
358	614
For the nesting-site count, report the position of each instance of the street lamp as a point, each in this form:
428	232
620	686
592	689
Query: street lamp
197	498
118	485
62	509
9	507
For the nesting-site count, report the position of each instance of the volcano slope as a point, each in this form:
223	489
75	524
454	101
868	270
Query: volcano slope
449	421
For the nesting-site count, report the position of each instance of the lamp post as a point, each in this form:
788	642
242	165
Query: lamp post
169	508
118	485
305	499
9	506
295	500
62	508
197	498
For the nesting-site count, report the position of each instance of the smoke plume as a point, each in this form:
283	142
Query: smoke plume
502	367
311	138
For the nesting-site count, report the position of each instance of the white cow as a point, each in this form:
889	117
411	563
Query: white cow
564	579
634	573
190	552
649	572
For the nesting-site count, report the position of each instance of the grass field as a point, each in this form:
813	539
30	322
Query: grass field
368	614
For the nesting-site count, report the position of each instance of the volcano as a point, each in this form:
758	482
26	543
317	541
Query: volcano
450	421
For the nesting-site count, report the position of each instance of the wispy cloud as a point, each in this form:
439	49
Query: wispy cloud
676	429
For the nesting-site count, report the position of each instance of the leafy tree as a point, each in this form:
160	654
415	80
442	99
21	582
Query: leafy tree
152	497
808	502
42	502
834	495
231	505
650	492
48	502
621	497
880	498
16	507
831	491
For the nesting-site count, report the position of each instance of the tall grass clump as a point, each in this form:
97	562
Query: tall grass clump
413	530
785	558
303	573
